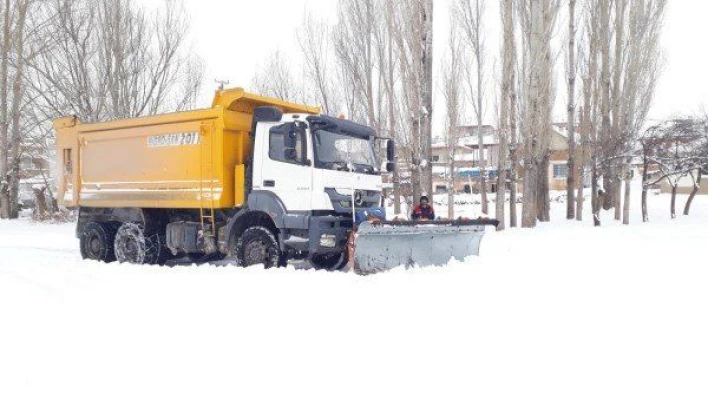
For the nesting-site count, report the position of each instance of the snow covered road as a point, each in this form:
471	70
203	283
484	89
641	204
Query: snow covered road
565	311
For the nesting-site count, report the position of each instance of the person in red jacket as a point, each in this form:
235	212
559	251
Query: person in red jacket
423	211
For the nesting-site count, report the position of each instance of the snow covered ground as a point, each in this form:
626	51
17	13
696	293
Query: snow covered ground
564	311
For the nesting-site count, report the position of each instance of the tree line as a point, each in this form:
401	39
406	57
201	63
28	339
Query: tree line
96	59
106	59
374	64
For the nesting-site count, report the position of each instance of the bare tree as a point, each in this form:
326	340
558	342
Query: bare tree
413	38
702	152
537	21
605	140
109	59
622	67
641	70
697	177
313	37
510	56
97	59
678	148
592	95
391	95
454	106
275	79
506	166
613	168
12	96
571	76
355	51
470	16
4	112
426	43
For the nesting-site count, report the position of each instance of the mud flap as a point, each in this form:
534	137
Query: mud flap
382	246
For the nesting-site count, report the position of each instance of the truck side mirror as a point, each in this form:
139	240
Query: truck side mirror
390	152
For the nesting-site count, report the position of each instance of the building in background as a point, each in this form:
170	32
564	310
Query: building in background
466	165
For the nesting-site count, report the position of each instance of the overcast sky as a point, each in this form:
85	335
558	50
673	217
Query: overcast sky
234	36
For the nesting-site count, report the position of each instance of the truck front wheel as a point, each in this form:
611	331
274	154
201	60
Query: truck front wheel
255	246
97	242
331	262
134	245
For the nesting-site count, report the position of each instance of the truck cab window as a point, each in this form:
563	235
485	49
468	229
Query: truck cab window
286	143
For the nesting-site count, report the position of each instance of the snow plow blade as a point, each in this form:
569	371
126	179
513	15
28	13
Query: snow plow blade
382	246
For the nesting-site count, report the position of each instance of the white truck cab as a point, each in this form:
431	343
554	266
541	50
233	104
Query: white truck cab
317	164
316	176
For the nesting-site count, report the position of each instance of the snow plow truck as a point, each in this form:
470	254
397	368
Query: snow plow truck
252	179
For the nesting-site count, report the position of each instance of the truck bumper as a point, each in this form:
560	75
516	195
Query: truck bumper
326	234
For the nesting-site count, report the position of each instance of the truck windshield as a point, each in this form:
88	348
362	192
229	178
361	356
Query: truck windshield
336	151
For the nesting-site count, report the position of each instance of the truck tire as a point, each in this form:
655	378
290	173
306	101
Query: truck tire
256	245
331	262
97	240
133	245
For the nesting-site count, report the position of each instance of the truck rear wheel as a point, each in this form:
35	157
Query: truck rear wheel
134	245
97	242
255	246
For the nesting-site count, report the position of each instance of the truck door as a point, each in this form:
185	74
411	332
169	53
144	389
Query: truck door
286	168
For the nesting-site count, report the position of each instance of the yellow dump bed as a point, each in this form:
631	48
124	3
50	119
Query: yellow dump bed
184	160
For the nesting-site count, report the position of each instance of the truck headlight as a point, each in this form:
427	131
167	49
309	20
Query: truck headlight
328	241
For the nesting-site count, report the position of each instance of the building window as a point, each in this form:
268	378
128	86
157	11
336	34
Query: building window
436	158
560	171
440	189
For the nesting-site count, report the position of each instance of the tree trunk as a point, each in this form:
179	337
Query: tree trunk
513	213
674	188
4	122
501	198
415	161
645	188
427	96
415	182
513	117
570	211
451	191
625	209
607	186
482	171
534	121
40	203
543	192
528	219
501	177
480	137
580	196
391	107
597	199
617	198
696	187
605	84
16	111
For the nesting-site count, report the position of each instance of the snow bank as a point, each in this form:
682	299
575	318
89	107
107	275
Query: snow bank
565	311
